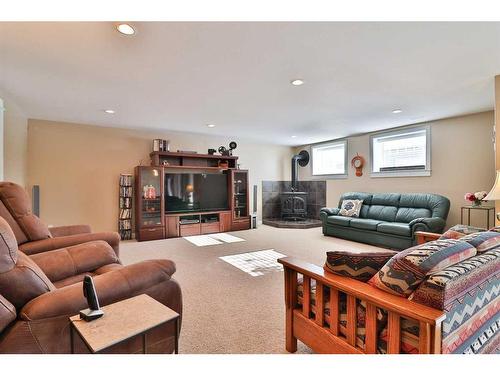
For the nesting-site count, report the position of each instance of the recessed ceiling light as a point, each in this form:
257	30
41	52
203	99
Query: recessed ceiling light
395	111
297	82
125	29
211	125
294	136
109	111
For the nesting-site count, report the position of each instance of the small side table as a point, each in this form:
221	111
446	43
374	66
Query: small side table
121	321
487	209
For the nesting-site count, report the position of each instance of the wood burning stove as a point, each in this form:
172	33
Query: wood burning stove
293	205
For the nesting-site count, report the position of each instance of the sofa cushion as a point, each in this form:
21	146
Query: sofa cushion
359	266
24	282
459	231
339	220
8	247
386	199
407	214
7	313
483	241
367	224
351	207
404	272
400	229
383	213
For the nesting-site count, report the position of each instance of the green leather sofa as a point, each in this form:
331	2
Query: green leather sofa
388	219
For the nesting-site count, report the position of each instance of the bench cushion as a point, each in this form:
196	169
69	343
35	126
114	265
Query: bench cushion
359	266
404	272
459	231
483	241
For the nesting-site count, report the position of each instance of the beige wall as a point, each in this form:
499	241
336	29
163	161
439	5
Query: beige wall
77	166
463	160
15	144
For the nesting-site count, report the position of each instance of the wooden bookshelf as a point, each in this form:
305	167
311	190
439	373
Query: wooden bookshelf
125	207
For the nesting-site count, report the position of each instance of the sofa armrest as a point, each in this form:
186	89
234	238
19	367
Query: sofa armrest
427	224
35	247
70	261
326	211
330	211
111	287
69	230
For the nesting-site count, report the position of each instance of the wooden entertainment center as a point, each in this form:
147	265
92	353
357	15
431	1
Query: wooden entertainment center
153	218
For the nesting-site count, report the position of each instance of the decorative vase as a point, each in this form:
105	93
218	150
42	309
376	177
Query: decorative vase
477	203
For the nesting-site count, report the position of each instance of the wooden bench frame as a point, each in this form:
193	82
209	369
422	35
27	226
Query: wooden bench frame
313	331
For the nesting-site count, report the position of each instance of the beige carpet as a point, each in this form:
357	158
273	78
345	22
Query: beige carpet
225	309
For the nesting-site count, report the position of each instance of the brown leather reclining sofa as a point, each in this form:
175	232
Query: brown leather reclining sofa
40	281
33	236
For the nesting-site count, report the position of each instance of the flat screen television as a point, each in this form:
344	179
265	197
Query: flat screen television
186	192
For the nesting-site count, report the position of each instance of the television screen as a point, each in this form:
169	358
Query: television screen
186	192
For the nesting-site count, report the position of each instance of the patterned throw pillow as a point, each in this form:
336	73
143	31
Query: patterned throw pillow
351	207
404	272
483	241
459	231
359	266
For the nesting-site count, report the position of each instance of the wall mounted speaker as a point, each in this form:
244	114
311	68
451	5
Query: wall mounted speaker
255	199
35	196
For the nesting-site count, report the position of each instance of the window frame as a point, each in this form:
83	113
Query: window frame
408	172
343	141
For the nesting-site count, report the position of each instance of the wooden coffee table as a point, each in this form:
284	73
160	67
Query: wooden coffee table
124	320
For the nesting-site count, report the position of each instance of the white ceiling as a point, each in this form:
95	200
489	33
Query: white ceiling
182	76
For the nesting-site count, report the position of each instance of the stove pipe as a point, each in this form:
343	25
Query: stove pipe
302	159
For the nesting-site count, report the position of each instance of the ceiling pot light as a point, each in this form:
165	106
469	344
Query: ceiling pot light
211	125
109	111
125	29
297	82
396	111
294	136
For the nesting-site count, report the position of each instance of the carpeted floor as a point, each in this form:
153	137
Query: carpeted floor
225	309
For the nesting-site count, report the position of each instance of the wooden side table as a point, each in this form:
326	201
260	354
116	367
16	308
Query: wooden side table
121	322
487	209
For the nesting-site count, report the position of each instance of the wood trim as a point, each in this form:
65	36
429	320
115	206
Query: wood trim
189	155
423	237
393	333
351	320
320	305
436	341
371	329
424	340
319	339
290	304
334	311
306	296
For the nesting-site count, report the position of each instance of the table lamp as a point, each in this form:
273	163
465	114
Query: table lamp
494	194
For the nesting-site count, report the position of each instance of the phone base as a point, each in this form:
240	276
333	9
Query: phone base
89	315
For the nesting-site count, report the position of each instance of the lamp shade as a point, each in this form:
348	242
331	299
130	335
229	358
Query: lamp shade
494	194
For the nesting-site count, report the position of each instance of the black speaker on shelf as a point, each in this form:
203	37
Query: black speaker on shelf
254	213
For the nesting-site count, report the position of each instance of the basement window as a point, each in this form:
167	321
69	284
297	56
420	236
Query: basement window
401	153
329	159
